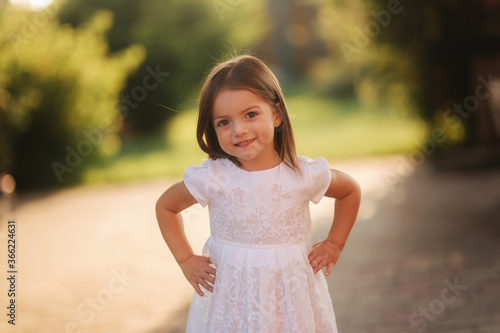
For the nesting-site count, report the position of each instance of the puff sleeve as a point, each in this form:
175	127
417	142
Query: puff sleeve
319	178
196	178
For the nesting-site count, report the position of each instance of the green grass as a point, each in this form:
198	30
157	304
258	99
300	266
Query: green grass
343	129
335	129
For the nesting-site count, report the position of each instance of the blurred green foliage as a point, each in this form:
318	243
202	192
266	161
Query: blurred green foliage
69	93
59	89
184	38
413	55
381	73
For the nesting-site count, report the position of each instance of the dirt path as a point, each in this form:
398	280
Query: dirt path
92	259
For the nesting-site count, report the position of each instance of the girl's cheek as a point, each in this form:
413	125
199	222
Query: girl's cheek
223	138
269	135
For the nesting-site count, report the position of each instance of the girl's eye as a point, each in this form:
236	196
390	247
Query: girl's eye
222	123
251	114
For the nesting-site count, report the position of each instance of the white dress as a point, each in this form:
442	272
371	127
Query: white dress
260	237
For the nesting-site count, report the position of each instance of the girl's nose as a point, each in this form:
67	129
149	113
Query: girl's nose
239	128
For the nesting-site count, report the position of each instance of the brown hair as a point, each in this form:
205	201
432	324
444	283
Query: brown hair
249	73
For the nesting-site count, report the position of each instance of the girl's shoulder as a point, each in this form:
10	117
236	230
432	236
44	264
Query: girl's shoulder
205	166
199	178
209	166
317	174
307	163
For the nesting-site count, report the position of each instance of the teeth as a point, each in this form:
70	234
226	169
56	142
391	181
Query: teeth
244	143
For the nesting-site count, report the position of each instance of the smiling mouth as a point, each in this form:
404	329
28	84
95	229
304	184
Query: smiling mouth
244	143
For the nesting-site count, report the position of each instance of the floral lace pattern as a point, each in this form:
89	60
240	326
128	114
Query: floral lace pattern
275	301
274	224
252	295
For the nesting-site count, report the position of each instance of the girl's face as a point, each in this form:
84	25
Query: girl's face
244	124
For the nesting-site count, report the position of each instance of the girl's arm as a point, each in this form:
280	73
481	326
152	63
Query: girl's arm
196	269
347	193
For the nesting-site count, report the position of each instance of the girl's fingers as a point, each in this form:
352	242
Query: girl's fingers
314	253
320	262
197	288
317	257
200	272
208	277
206	285
211	270
328	269
315	264
321	257
319	267
319	251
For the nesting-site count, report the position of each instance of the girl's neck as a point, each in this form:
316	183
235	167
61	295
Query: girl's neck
259	165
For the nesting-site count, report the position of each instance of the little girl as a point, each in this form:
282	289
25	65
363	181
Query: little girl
258	266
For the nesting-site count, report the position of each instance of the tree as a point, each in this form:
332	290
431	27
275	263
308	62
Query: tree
181	38
422	53
59	95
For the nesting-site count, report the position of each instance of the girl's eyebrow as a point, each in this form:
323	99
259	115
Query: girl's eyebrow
242	111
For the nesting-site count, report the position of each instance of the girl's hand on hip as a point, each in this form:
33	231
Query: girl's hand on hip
324	254
198	271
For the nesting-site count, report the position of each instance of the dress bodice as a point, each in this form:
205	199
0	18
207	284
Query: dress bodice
266	208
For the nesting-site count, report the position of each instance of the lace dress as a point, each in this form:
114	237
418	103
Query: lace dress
259	242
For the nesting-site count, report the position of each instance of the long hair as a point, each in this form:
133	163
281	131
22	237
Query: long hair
248	73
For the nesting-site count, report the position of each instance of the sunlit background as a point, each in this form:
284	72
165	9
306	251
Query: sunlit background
98	117
32	4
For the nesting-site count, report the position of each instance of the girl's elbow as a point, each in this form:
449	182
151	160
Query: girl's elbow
355	191
356	188
159	209
163	206
158	206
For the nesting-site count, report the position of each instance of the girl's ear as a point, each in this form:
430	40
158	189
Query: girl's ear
277	115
